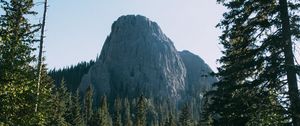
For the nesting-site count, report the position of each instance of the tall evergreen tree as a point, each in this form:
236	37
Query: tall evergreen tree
17	39
101	117
104	114
205	117
117	120
127	113
185	116
59	108
17	76
289	31
258	57
46	89
171	121
141	109
74	115
88	105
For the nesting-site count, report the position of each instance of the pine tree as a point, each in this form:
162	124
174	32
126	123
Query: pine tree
74	115
117	121
104	114
141	109
95	120
171	121
17	76
72	75
101	117
205	116
127	113
290	29
257	60
59	108
46	89
185	116
88	105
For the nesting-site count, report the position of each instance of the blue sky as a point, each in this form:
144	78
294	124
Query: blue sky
77	29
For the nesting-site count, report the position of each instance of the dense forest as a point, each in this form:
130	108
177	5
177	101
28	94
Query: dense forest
121	111
71	75
258	76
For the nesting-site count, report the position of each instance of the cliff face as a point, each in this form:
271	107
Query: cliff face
138	58
199	77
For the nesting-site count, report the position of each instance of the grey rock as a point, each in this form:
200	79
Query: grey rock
138	58
199	78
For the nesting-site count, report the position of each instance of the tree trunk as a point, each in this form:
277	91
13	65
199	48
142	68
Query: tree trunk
41	55
290	64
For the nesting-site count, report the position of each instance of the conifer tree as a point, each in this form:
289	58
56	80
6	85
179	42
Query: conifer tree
95	120
141	109
46	89
127	113
185	116
104	114
72	80
205	116
17	76
74	117
290	27
171	121
59	107
88	104
101	117
117	121
257	65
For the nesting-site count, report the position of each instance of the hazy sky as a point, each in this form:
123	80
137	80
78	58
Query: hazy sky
77	29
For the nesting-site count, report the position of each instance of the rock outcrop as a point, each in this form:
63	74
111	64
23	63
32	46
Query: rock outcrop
199	78
138	58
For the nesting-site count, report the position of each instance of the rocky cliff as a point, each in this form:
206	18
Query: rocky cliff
138	58
198	77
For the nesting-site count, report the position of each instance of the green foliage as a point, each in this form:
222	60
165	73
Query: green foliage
171	121
117	120
88	105
185	116
58	107
17	76
127	113
45	98
206	117
101	117
17	39
253	72
72	75
74	116
141	109
104	114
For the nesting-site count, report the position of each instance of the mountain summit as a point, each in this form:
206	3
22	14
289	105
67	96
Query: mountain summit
138	58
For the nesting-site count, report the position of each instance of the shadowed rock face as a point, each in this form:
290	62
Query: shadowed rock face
137	58
198	78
